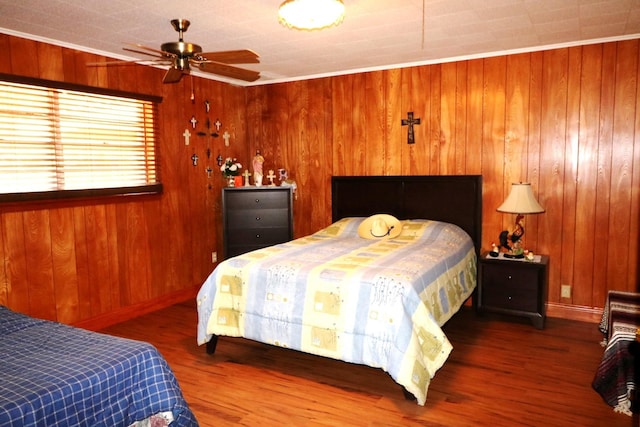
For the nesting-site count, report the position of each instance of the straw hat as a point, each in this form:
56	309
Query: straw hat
380	226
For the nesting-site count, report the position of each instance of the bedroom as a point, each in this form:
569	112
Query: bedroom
564	119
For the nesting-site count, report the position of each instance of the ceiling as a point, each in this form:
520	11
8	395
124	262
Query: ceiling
375	34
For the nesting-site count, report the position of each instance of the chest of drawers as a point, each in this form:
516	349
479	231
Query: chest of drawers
513	287
256	217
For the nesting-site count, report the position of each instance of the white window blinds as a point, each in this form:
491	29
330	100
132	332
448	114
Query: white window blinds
55	139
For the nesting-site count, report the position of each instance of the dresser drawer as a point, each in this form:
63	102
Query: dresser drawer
257	218
256	199
259	236
510	289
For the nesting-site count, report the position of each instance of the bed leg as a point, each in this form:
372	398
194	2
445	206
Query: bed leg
211	344
408	395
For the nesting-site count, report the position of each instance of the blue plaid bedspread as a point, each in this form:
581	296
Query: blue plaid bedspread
57	375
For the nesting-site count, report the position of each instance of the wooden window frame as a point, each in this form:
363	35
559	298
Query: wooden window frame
83	193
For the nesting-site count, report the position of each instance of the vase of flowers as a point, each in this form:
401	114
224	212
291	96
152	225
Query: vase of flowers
230	169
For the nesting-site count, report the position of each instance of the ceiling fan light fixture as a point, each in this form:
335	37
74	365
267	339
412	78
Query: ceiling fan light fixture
311	14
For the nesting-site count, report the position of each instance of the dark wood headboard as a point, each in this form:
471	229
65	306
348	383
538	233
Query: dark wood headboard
456	199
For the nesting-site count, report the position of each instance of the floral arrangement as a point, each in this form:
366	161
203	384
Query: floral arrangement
230	167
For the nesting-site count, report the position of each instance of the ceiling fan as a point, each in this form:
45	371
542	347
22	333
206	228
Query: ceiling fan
183	56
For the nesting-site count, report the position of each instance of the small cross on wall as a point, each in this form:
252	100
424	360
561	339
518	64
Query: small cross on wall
410	121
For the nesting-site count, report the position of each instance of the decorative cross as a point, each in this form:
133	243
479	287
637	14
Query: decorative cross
271	177
410	121
186	135
193	122
226	137
246	175
194	160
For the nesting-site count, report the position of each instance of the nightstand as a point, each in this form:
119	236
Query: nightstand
513	286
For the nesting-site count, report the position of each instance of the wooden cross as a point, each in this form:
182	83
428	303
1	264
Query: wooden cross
186	135
246	175
271	177
410	121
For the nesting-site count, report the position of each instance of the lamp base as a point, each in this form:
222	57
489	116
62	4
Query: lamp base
513	256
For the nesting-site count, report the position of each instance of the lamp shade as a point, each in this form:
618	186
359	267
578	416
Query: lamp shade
521	200
311	14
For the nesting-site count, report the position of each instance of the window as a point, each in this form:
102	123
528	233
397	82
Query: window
55	139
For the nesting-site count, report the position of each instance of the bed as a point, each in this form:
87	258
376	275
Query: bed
377	302
57	375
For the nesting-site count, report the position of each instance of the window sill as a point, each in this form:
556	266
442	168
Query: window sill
93	195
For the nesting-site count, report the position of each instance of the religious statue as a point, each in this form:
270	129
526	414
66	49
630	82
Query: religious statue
258	161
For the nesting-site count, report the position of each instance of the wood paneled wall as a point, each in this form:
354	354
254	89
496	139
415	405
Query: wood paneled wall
566	120
76	261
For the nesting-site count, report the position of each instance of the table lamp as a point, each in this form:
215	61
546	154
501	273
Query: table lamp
520	201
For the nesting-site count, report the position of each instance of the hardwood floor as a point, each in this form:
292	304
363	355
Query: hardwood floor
502	372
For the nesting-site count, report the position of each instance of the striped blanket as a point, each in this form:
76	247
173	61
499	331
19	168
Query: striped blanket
379	303
614	379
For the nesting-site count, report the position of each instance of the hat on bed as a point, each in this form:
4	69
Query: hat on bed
380	226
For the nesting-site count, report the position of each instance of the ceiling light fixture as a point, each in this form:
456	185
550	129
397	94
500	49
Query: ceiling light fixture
311	14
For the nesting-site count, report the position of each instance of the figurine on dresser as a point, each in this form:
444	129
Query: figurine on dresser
258	161
512	242
283	177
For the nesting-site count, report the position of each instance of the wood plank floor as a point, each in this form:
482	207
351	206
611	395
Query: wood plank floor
502	372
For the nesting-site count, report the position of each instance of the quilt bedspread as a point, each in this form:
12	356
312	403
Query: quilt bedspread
379	303
57	375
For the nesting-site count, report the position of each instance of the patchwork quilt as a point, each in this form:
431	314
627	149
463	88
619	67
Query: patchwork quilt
379	303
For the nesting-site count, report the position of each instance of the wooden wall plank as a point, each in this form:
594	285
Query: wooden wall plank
570	168
37	238
549	118
625	93
493	146
589	111
63	256
565	119
553	134
603	172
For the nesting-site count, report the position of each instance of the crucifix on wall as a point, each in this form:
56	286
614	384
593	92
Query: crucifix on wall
410	121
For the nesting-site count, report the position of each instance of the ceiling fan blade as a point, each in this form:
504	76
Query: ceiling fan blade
228	71
133	62
242	56
173	75
150	51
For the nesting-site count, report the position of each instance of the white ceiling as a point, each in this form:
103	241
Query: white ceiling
375	34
